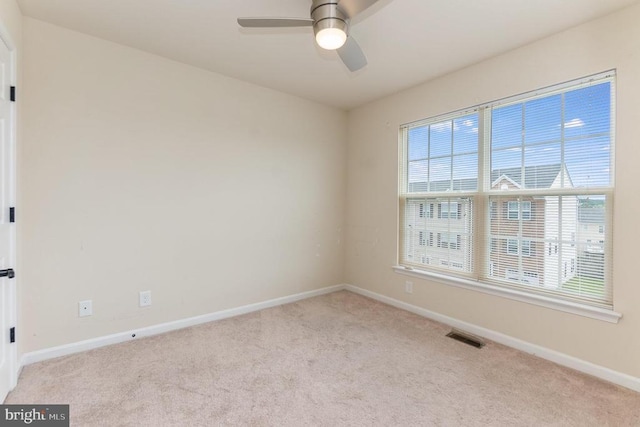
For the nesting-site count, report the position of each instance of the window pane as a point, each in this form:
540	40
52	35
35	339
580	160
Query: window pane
582	141
562	243
542	166
506	126
465	171
543	119
465	134
588	162
441	136
588	111
506	169
590	236
431	165
440	174
418	176
443	240
417	141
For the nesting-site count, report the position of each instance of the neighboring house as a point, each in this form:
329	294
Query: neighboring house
532	239
440	232
590	234
591	219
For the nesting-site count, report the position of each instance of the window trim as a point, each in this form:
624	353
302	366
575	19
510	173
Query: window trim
566	306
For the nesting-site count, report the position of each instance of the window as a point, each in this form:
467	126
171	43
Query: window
513	211
448	210
515	208
513	248
545	178
425	210
448	240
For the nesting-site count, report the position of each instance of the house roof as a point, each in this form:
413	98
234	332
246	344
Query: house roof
541	176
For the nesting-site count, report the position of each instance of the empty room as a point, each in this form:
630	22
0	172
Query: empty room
319	212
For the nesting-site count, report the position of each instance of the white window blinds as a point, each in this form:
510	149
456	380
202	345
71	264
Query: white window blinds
540	169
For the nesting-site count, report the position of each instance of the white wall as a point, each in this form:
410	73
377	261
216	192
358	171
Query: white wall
610	42
140	173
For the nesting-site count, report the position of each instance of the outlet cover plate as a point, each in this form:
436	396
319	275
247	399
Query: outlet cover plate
145	298
85	308
408	287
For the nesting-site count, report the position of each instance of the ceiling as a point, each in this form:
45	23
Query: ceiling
406	41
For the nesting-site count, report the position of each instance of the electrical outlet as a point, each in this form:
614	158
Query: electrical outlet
408	287
145	298
85	308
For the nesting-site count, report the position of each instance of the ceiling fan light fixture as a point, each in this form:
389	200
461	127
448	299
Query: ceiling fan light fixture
329	24
331	38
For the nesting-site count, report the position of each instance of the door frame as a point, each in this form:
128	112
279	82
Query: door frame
14	368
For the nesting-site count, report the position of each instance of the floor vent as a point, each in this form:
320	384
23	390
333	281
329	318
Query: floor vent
466	338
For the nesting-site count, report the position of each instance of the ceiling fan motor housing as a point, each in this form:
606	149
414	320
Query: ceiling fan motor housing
325	14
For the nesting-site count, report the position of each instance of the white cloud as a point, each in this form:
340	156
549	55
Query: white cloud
574	123
441	127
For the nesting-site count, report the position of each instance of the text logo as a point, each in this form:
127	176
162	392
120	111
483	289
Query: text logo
34	415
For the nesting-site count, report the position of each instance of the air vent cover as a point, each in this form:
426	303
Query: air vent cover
466	338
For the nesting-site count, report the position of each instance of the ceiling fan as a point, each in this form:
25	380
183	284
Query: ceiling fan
330	21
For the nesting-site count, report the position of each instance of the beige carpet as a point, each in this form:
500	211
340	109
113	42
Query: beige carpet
338	359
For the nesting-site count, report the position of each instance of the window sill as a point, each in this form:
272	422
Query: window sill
540	300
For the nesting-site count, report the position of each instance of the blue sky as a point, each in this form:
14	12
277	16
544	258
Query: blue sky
534	128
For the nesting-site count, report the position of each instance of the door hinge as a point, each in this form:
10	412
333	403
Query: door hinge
12	214
12	335
8	273
12	94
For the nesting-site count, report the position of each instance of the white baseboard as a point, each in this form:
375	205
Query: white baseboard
77	347
598	371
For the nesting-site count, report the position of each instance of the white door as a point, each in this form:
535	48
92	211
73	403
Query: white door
7	229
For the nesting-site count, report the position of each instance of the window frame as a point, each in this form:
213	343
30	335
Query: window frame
484	211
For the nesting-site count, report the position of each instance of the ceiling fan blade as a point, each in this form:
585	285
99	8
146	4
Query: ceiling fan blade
353	7
352	55
274	22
